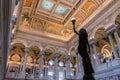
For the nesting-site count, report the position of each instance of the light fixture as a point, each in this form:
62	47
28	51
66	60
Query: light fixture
73	20
61	64
51	62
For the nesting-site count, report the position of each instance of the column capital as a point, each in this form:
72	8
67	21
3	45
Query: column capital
56	55
111	29
67	57
27	49
92	41
42	52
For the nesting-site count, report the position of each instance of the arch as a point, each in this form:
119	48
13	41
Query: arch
114	16
17	48
73	50
34	51
106	49
16	57
101	38
50	47
19	41
19	45
62	51
95	30
117	22
36	44
75	46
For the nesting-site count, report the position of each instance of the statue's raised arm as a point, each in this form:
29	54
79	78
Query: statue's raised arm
73	22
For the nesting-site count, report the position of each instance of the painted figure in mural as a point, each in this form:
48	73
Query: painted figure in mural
83	50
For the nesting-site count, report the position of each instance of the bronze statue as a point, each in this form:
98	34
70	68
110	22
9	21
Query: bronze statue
83	50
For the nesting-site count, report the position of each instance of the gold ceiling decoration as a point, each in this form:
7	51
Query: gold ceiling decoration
52	17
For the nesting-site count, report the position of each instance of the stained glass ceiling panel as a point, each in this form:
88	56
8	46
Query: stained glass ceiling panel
60	10
47	5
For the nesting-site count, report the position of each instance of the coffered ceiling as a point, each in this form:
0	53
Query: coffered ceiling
51	18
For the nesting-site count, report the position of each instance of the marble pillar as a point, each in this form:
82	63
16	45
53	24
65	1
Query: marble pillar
112	46
117	40
24	63
91	56
110	31
34	68
56	66
41	63
94	53
68	70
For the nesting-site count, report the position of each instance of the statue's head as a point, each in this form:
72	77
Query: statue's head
83	32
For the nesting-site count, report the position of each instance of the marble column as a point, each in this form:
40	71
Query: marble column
20	70
21	65
109	31
56	66
11	35
46	70
117	40
80	70
24	63
91	56
78	64
112	46
41	62
34	68
5	15
68	70
92	42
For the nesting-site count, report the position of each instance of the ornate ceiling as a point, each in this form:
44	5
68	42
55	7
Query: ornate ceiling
51	18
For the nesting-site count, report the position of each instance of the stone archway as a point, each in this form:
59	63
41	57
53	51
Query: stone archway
15	58
102	40
117	22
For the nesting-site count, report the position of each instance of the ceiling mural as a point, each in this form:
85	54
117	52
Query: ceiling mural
27	3
60	10
52	17
46	5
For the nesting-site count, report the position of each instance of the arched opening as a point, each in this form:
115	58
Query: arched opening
32	65
117	22
117	40
15	57
104	52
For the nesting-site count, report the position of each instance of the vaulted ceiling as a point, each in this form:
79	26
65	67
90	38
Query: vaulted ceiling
51	18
